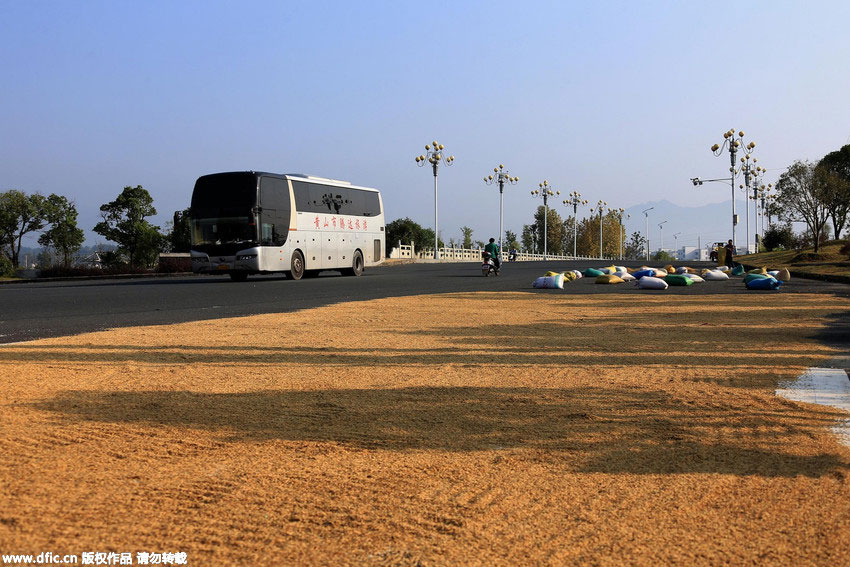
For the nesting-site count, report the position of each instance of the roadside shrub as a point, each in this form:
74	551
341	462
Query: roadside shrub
172	265
846	248
7	270
778	238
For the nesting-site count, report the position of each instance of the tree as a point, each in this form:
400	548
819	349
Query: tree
835	169
554	229
778	237
511	241
124	223
19	215
407	231
635	247
180	237
63	235
467	236
588	236
662	256
800	193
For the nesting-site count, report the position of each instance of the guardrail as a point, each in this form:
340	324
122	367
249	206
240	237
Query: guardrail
447	254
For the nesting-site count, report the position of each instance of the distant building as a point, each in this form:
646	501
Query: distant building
91	261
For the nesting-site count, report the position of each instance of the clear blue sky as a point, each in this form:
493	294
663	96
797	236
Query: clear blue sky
619	100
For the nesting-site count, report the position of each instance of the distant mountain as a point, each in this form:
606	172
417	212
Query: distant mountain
695	225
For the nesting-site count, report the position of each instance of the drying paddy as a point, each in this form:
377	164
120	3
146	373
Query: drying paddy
471	429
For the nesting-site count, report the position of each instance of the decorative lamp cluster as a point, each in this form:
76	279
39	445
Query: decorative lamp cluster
502	177
435	157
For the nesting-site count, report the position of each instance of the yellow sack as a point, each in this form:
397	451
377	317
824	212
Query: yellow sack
670	269
550	274
609	279
761	270
569	276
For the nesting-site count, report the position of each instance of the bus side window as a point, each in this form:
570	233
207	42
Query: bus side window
371	204
356	202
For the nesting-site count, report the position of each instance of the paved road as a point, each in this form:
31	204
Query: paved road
35	310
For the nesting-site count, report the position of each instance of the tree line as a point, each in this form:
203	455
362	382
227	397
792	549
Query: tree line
559	233
123	221
815	194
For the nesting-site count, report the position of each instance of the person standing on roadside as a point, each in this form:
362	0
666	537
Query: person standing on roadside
730	254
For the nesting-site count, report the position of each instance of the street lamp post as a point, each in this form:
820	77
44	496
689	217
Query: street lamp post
434	156
545	190
575	200
676	245
646	233
619	212
750	171
661	235
600	205
502	177
762	197
733	142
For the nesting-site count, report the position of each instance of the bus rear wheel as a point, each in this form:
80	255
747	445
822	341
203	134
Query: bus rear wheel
238	276
356	265
297	266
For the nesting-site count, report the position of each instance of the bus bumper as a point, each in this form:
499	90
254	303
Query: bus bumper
245	261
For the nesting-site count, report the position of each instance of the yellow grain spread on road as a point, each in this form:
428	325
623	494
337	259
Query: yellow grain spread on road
461	429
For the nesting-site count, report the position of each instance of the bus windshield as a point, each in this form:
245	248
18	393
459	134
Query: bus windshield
223	208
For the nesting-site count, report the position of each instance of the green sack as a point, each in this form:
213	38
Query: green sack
738	270
592	273
678	279
750	277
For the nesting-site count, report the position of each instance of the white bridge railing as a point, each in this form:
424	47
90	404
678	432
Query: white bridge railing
447	254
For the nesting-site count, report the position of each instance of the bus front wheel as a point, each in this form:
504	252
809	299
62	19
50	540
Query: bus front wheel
297	265
356	265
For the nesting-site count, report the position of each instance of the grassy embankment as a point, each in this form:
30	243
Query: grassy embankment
828	264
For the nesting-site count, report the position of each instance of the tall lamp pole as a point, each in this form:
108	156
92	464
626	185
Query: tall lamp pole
502	177
575	200
752	172
769	201
733	142
661	235
545	190
619	212
434	156
646	230
600	206
676	245
761	197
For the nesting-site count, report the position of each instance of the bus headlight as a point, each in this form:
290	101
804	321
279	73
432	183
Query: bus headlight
241	257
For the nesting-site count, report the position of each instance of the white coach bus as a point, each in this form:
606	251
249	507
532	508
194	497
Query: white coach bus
252	222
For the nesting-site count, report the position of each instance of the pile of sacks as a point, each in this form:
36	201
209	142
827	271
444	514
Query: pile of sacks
762	278
647	277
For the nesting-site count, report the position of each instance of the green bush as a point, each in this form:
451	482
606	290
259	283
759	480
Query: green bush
7	270
779	238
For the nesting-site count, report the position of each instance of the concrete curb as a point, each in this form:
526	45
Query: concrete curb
103	277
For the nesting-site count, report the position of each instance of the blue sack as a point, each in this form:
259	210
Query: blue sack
763	283
641	273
